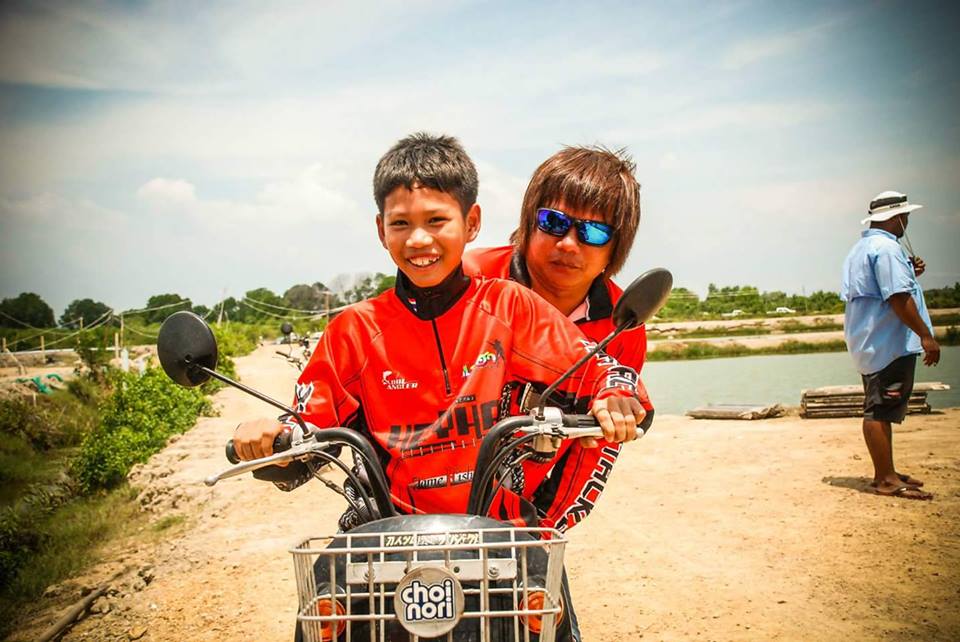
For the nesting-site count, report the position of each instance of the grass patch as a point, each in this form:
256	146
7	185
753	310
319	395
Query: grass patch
22	467
711	351
169	522
73	538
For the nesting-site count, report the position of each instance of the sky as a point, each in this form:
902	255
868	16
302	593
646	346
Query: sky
147	148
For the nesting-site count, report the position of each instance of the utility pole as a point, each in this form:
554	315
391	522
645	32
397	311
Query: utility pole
223	299
121	329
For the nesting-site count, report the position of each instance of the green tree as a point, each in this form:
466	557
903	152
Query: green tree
729	298
369	287
165	304
202	311
27	309
948	297
86	309
226	310
821	301
306	297
682	304
263	303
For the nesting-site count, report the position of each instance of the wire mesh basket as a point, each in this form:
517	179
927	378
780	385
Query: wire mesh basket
484	584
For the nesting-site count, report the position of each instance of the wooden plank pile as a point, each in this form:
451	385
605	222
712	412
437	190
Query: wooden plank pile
737	411
847	401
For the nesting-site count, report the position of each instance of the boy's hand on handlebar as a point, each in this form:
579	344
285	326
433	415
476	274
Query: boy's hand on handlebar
618	418
254	439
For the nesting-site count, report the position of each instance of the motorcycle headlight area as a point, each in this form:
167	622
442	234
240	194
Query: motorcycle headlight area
428	584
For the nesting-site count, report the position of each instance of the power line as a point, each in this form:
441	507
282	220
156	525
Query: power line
159	307
247	303
101	320
140	332
280	307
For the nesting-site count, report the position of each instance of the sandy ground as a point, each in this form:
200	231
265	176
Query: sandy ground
708	530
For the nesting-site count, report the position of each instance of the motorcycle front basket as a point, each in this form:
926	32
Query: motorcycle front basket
509	582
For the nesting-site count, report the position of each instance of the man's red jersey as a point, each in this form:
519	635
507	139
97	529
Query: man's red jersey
426	386
629	348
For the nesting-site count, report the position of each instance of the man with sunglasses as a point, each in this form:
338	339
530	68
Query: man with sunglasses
577	224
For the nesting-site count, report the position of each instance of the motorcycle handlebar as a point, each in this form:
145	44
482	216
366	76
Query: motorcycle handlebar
341	436
282	442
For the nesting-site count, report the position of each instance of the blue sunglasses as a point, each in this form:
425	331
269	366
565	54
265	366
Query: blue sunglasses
556	223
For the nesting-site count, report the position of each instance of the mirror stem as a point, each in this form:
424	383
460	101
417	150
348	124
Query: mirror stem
597	348
259	395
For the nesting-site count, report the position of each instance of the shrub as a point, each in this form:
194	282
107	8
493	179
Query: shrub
952	336
136	421
23	420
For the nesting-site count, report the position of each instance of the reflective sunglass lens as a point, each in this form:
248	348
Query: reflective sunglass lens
557	223
553	222
593	233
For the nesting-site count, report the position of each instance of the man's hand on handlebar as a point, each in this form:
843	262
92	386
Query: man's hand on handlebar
254	439
618	418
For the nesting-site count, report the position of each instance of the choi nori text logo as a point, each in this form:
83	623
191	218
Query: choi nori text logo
428	602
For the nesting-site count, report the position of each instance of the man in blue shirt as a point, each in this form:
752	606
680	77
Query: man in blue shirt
886	326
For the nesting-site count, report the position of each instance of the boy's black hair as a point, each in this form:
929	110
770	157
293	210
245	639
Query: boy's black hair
438	162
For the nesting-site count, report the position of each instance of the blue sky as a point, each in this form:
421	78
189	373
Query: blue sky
147	149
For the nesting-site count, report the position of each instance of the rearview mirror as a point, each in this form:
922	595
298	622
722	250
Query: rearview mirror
643	298
186	342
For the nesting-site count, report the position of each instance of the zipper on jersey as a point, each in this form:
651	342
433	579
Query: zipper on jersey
443	362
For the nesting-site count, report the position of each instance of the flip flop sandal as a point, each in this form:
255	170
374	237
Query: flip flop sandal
905	492
907	479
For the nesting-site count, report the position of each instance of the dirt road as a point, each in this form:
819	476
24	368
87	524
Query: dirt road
708	530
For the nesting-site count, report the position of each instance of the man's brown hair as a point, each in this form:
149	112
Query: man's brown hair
594	178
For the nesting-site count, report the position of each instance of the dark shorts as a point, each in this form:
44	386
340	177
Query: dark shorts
885	393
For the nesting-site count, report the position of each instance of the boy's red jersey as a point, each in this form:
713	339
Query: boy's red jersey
427	390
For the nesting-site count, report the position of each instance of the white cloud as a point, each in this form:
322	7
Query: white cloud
51	211
670	161
760	49
752	116
168	191
310	194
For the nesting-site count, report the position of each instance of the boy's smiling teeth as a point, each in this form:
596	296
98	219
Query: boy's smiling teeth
424	261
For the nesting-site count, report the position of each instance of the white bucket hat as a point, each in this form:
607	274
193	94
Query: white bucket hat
886	205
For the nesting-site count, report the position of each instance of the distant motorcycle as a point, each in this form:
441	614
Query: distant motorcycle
296	360
460	578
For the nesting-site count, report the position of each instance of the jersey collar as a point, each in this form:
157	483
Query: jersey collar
429	303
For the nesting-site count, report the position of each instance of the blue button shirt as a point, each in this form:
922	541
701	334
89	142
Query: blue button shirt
876	268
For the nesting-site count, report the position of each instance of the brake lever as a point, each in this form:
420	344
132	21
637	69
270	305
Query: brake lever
299	451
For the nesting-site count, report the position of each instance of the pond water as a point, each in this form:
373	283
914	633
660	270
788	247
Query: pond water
678	386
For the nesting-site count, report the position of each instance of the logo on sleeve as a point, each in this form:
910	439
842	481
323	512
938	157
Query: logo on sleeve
393	381
303	392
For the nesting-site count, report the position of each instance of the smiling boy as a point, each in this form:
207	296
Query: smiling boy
425	369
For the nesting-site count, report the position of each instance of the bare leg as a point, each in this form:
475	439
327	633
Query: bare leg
878	435
886	481
903	477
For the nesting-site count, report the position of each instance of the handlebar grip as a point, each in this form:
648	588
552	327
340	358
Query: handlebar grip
589	421
580	421
281	443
